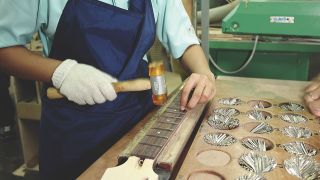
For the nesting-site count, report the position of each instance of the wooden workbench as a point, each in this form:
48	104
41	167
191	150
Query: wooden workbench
220	162
226	86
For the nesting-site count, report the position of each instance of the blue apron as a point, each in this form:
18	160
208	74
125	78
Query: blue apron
113	40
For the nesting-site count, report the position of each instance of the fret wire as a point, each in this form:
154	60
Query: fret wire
168	122
174	108
169	119
150	144
165	137
154	140
166	129
168	113
174	104
159	131
174	112
165	125
172	117
179	114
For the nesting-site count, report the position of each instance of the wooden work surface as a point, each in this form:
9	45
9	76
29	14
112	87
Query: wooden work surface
261	88
206	161
216	34
226	86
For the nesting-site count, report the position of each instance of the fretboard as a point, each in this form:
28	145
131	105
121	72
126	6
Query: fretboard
161	131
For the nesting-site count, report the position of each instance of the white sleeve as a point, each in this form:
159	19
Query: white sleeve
18	22
174	28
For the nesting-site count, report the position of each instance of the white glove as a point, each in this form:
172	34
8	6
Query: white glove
83	84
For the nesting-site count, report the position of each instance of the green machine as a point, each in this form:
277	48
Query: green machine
289	35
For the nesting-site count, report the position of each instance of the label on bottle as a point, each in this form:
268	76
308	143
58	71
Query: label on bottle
158	85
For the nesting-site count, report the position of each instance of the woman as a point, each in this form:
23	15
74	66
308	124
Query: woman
90	44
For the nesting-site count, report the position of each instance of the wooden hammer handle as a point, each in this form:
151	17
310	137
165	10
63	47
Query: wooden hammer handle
121	86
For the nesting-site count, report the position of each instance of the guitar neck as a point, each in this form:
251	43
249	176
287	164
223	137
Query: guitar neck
165	135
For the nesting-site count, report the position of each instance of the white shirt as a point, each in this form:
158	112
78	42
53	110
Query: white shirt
20	19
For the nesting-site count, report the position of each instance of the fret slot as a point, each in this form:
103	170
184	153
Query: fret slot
170	120
167	126
174	105
163	129
146	151
172	115
177	118
174	111
177	109
162	133
157	141
150	144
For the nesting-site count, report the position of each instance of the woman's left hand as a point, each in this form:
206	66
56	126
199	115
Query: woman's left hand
203	87
312	96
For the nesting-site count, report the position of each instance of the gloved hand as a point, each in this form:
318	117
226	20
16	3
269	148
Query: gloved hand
83	84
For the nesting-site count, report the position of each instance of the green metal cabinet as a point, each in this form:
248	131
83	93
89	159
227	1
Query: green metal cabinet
274	17
274	60
278	56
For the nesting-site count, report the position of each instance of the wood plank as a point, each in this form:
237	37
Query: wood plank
168	158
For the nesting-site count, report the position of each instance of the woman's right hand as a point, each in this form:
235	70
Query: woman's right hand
312	96
83	84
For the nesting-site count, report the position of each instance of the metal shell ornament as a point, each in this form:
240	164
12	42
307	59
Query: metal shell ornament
257	163
303	167
222	122
219	139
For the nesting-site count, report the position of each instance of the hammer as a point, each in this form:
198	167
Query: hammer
139	84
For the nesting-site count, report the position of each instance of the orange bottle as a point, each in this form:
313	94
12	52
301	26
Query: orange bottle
158	83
